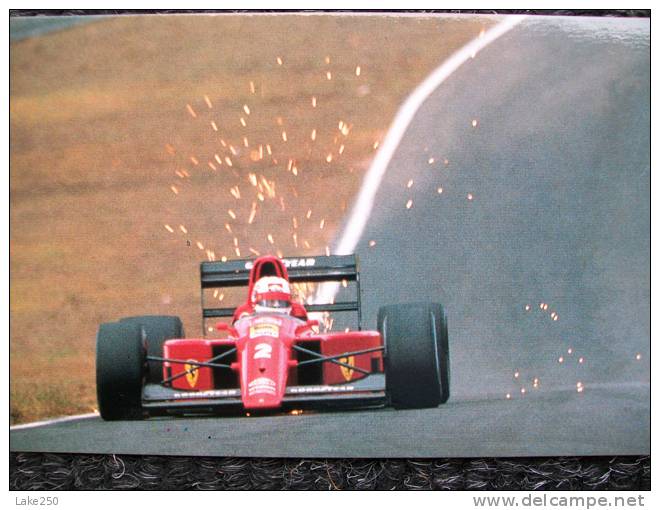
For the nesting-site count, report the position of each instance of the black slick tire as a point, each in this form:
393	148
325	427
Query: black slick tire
120	369
416	354
157	329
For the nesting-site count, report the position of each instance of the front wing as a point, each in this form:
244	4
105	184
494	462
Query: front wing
366	392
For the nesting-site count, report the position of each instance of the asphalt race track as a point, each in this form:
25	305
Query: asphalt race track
545	201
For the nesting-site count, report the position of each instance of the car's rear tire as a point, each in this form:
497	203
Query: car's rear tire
157	329
416	354
120	370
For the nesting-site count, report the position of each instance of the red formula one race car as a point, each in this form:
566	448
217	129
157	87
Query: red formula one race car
272	356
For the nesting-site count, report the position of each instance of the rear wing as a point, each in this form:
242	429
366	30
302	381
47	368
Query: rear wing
318	269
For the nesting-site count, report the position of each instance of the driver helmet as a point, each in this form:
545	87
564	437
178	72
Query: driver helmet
271	294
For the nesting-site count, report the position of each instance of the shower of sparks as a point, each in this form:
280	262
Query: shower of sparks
638	356
431	161
523	390
409	184
508	396
409	204
470	196
527	308
516	374
569	350
475	122
580	360
439	191
244	160
279	61
560	359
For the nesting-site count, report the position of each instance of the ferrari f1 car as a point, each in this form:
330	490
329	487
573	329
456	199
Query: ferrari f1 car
272	357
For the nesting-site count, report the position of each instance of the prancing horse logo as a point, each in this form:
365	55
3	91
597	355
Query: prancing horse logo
192	373
345	371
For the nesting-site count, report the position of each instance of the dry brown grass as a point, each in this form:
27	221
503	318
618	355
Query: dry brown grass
99	126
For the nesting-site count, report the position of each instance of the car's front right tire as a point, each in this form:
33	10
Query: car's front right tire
120	371
157	330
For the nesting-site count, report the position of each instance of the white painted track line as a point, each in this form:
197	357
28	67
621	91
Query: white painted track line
53	421
364	204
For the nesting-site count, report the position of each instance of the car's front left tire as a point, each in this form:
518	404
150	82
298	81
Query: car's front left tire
416	354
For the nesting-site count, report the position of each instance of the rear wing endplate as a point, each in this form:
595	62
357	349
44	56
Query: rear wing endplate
317	269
